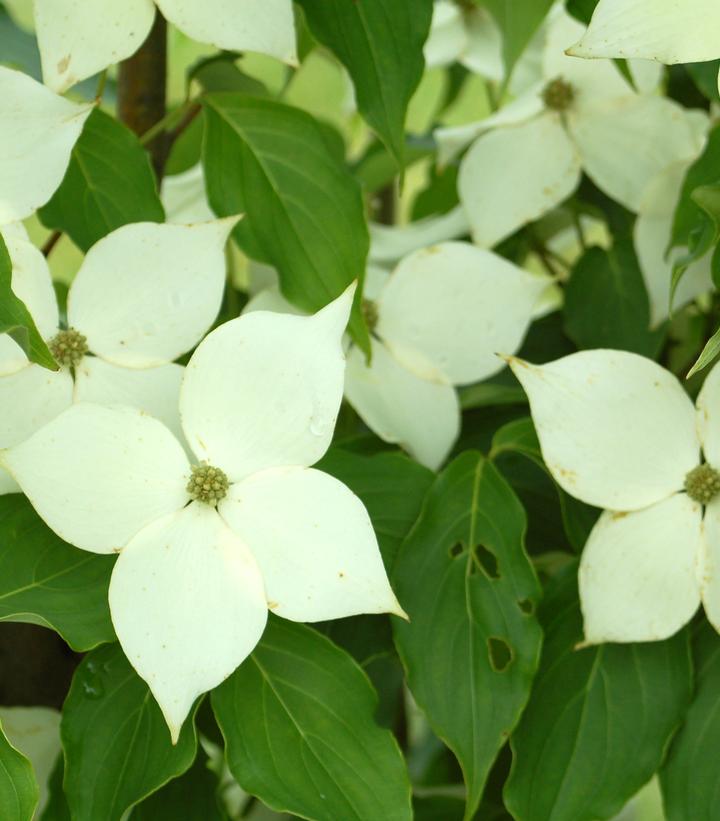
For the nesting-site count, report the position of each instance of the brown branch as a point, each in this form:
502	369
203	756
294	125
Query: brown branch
51	242
142	81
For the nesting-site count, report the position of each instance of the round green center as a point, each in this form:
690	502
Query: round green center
207	484
702	484
68	347
558	95
370	312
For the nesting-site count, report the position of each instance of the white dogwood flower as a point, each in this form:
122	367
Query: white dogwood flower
206	550
144	295
38	130
583	116
619	432
78	38
668	31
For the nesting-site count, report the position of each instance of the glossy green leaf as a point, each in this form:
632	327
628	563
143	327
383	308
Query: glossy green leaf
18	788
45	581
381	46
194	796
297	717
599	720
392	488
15	319
109	183
117	745
303	210
689	775
518	21
472	645
611	279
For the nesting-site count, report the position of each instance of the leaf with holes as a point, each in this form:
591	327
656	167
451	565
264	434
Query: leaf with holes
380	44
472	645
45	581
109	183
18	788
303	210
297	718
599	719
116	742
15	319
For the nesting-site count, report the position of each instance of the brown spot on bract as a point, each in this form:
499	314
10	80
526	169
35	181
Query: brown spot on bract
272	605
620	514
62	66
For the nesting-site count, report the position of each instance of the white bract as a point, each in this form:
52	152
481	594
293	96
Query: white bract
437	322
669	31
205	551
619	432
651	231
38	130
584	116
78	38
144	295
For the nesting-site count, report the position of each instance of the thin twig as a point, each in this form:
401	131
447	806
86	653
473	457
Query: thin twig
51	242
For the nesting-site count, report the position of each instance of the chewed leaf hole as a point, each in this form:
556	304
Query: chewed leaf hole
456	550
486	561
526	606
500	653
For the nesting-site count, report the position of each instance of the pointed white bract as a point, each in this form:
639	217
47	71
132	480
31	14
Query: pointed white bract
277	402
526	161
190	592
638	573
147	292
79	38
314	556
38	130
188	605
618	431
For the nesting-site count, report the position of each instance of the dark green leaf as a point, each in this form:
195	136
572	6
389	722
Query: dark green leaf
109	183
18	789
191	797
45	581
582	10
611	279
704	171
392	488
518	21
303	211
297	718
381	45
599	719
116	742
472	645
15	319
705	77
689	777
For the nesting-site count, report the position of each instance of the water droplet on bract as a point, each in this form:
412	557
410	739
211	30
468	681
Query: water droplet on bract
93	689
317	426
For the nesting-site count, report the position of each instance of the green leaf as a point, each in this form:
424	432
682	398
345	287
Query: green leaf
45	581
392	488
599	719
709	352
518	21
582	10
191	797
109	183
472	645
689	775
381	46
613	280
117	745
15	319
18	789
297	717
303	210
704	171
56	807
